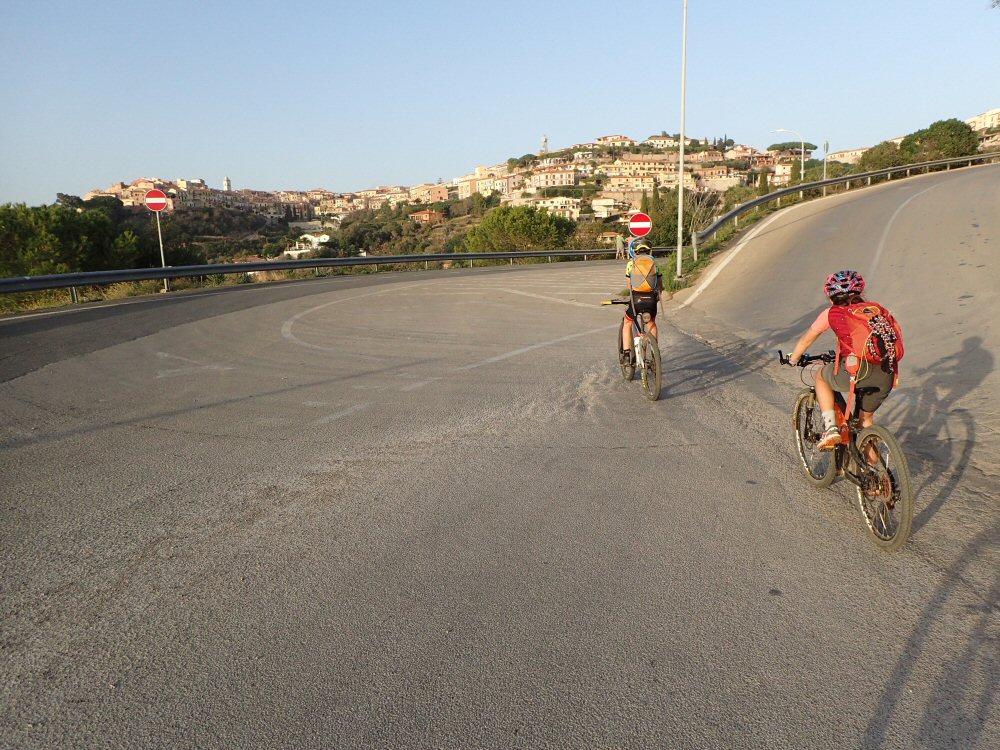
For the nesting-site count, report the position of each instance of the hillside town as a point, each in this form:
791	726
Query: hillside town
594	181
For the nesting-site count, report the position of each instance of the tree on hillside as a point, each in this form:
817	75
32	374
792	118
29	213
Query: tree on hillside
519	228
796	175
944	139
882	156
792	146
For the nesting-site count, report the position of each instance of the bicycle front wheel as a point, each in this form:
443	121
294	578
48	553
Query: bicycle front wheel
652	372
820	466
628	370
885	494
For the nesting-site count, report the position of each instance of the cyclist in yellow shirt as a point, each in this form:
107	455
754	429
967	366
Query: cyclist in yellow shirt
644	283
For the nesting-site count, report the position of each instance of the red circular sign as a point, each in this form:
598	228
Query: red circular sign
156	200
640	225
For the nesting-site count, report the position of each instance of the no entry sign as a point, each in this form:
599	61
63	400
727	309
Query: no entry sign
156	200
640	225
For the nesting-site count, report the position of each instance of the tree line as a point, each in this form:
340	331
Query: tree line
74	235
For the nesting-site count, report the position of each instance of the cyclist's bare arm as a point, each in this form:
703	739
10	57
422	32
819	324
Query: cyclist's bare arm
808	339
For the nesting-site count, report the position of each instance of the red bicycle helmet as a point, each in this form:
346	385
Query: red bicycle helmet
843	283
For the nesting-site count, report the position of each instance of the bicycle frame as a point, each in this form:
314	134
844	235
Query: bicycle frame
846	455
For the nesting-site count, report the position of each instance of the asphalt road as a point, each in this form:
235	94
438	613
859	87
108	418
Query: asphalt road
425	511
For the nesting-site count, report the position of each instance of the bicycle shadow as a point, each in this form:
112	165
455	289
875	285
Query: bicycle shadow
934	434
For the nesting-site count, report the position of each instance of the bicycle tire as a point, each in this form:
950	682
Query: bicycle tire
807	419
628	371
886	495
652	373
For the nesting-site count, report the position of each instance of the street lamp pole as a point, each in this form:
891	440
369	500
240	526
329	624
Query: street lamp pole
680	162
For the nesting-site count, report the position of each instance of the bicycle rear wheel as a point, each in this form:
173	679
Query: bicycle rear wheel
886	493
820	466
652	373
628	370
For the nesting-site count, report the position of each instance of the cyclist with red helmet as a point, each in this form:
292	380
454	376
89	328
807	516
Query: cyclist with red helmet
869	345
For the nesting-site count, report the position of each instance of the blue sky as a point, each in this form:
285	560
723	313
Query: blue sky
349	95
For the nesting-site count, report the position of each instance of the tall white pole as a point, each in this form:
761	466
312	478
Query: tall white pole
680	165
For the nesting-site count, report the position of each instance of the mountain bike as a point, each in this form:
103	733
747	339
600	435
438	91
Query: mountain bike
869	458
646	354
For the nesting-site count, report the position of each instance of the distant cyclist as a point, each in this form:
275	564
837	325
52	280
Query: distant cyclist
869	347
645	284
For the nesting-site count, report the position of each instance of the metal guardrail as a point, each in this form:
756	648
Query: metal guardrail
735	213
96	278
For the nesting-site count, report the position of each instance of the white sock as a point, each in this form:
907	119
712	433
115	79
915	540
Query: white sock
829	419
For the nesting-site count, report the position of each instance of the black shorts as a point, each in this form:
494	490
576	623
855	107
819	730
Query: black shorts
645	302
874	376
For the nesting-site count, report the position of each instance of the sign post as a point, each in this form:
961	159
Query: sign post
156	201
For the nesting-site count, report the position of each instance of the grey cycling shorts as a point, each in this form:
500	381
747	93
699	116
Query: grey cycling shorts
875	376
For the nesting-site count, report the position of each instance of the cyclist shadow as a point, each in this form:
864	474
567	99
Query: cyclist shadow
937	436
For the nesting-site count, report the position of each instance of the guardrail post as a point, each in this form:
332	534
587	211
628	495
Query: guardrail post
472	262
869	180
736	220
908	172
694	245
74	296
425	265
376	268
550	259
779	201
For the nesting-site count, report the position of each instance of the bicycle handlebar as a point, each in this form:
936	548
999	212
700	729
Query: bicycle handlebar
807	359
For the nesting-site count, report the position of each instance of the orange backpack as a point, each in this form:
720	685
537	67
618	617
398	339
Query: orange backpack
644	276
868	331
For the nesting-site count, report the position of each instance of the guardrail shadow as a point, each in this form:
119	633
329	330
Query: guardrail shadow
964	693
16	442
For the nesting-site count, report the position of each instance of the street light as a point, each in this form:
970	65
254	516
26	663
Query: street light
802	153
680	161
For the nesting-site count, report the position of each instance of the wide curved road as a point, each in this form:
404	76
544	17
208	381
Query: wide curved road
423	510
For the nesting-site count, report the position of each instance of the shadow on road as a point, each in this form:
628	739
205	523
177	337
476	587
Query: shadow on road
963	694
938	437
15	443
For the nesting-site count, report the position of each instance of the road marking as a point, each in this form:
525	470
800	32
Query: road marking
888	226
342	413
514	353
736	251
548	298
418	384
286	327
194	366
